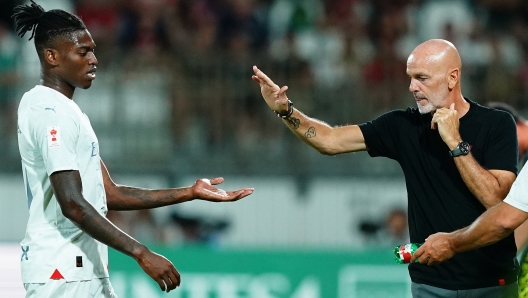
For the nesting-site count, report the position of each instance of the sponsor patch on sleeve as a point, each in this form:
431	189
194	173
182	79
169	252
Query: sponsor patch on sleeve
53	136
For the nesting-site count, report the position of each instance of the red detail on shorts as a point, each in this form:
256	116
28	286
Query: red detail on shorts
502	282
56	275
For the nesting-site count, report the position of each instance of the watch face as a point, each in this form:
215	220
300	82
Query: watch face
464	147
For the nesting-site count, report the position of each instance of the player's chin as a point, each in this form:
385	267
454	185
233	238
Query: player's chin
85	84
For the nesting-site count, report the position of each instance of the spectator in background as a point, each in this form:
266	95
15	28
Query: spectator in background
103	18
9	78
395	231
392	231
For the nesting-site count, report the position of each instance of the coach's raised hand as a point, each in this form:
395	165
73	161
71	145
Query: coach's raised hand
274	96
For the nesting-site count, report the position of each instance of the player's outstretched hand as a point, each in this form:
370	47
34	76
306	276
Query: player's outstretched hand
160	269
436	249
205	189
274	96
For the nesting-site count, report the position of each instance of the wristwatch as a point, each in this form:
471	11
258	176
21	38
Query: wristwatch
463	148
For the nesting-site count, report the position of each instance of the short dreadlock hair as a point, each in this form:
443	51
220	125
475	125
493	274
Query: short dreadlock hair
45	26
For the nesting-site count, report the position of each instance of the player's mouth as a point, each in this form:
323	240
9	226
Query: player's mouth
91	73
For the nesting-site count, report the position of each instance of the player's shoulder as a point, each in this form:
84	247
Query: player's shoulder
45	101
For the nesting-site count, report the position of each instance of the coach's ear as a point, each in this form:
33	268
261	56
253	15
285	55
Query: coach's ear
454	77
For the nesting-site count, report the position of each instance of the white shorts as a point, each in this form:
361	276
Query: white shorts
59	288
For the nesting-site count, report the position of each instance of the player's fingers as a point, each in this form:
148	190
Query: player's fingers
176	275
239	194
173	282
160	283
255	78
217	180
175	279
168	283
283	89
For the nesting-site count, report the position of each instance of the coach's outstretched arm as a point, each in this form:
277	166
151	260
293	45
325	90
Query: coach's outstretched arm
324	138
493	225
67	187
121	197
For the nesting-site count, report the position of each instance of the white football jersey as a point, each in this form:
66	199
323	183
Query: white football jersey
518	195
55	135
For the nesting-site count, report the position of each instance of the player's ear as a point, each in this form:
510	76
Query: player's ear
51	56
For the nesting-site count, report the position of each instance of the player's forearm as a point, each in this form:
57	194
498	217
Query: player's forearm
122	197
484	185
490	227
67	187
101	229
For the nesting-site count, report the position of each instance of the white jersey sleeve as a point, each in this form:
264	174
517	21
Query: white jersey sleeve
56	136
518	195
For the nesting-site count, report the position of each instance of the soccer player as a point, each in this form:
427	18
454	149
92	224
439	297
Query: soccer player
459	158
69	190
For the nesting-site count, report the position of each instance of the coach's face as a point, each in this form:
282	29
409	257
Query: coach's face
78	62
429	84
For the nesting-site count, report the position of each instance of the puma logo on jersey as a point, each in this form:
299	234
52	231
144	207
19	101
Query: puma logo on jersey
51	109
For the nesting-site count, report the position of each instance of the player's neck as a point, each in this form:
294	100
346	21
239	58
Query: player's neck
59	86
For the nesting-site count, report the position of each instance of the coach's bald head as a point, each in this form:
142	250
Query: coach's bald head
434	68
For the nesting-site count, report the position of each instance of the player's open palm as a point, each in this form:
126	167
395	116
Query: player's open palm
161	270
205	189
274	96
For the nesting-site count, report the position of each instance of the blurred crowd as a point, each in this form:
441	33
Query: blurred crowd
344	60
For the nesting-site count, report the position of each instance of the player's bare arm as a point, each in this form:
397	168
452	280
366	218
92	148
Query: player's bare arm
120	197
492	226
324	138
521	236
489	186
67	187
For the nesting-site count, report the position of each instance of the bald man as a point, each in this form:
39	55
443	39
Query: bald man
459	158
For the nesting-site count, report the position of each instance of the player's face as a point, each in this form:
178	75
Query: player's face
78	62
428	83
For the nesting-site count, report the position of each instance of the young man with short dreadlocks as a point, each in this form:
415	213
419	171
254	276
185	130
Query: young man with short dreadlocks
69	190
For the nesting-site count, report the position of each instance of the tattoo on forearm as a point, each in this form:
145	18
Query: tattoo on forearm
310	133
294	122
149	198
